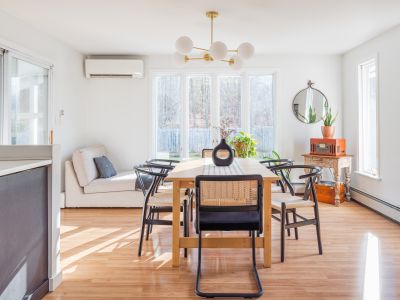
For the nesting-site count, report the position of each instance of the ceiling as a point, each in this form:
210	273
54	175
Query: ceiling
152	26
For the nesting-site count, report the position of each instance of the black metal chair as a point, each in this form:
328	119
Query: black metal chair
285	203
229	203
158	202
272	163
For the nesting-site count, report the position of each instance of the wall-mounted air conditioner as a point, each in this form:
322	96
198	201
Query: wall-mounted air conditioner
113	68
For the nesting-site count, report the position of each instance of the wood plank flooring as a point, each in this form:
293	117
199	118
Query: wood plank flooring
361	259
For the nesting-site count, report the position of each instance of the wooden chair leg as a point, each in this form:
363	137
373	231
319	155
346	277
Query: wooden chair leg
296	231
283	222
287	223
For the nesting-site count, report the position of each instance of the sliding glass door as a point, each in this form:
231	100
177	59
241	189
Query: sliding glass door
29	103
25	104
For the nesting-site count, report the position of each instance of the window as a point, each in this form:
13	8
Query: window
368	118
25	104
261	113
168	115
29	99
200	130
230	97
188	108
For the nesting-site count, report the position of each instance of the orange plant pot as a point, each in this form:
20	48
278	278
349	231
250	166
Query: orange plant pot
328	131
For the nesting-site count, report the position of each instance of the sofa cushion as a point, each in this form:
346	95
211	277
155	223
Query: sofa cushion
123	181
84	166
105	167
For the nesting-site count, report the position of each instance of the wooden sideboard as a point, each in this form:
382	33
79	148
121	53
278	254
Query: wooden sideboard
337	163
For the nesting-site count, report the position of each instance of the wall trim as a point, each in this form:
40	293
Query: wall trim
378	205
55	281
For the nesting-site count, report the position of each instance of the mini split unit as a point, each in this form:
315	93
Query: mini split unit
113	68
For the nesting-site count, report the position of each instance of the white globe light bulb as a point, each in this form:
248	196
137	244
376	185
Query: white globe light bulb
184	45
237	63
218	50
179	59
245	50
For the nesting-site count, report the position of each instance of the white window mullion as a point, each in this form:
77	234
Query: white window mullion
245	103
215	117
185	118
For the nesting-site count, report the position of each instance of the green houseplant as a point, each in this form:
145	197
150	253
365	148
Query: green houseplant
244	145
328	130
276	156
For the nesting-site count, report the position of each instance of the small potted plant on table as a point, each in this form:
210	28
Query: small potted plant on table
328	130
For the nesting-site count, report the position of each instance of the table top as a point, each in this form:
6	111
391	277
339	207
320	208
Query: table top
328	156
188	170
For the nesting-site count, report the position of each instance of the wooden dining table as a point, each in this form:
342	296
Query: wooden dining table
184	175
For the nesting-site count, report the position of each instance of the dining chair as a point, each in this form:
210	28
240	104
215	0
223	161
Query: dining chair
207	153
286	203
229	203
270	163
156	202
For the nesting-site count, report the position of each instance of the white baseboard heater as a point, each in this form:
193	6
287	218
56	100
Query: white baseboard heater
383	207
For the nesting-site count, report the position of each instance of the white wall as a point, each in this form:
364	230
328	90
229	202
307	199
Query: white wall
69	84
118	110
387	47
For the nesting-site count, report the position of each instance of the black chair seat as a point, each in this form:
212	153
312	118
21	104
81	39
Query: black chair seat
226	221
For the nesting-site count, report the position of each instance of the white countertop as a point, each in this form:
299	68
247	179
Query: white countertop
14	166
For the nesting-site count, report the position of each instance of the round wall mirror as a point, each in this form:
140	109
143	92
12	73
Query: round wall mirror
309	105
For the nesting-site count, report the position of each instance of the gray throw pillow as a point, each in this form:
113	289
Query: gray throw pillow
105	167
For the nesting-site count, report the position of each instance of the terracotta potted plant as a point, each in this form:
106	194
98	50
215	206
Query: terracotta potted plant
328	130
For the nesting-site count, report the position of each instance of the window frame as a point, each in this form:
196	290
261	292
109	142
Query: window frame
214	73
360	103
5	103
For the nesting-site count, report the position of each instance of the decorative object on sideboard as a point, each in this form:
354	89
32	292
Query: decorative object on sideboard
330	147
328	130
309	104
244	145
216	51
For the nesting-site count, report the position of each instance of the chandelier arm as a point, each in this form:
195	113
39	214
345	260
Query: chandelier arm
233	50
199	48
195	58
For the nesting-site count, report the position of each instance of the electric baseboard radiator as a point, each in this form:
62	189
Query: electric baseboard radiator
382	207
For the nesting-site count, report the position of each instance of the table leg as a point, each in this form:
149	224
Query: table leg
267	223
176	218
337	186
348	177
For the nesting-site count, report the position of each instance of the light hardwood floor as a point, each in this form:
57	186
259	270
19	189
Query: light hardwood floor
99	259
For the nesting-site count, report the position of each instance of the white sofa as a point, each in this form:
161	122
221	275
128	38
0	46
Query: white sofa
84	188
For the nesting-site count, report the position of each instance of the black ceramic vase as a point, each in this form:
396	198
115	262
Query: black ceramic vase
222	160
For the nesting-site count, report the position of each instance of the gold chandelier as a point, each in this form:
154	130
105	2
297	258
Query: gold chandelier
217	51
